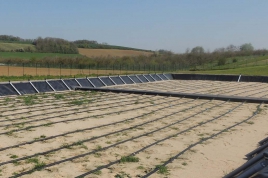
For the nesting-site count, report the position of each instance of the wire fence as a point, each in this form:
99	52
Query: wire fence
73	70
36	69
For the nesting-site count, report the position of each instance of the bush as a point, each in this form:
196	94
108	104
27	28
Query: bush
234	60
222	62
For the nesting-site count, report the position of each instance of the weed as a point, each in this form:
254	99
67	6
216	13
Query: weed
32	160
7	100
184	164
98	147
41	137
77	102
97	155
97	172
132	159
162	169
39	166
47	125
59	96
122	175
16	163
140	167
250	122
13	156
108	142
29	100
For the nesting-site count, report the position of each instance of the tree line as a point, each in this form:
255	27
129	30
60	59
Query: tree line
190	59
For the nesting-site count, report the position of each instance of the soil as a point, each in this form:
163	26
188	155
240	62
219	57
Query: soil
113	126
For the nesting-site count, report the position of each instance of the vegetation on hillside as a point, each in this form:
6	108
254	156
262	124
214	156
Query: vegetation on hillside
95	45
55	45
196	59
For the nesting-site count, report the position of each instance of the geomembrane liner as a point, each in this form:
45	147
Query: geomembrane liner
156	77
107	81
135	79
149	78
127	80
7	89
84	82
24	88
117	80
58	85
42	86
169	76
162	76
71	83
97	82
143	79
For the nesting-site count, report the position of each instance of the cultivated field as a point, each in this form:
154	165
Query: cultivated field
20	71
94	134
111	52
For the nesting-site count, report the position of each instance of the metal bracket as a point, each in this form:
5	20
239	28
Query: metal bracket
15	88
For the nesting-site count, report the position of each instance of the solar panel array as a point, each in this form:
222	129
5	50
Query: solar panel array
21	88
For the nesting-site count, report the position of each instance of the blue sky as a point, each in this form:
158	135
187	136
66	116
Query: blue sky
149	24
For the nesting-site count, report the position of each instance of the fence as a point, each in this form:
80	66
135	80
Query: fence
73	70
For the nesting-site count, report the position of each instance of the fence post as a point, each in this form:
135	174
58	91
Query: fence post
70	69
22	69
35	69
60	70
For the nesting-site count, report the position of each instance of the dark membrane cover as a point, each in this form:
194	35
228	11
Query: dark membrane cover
58	85
117	80
205	77
143	79
126	79
162	76
149	78
96	82
7	89
42	86
25	88
107	81
156	77
135	79
84	82
71	83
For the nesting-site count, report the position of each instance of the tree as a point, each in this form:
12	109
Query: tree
198	50
246	47
232	48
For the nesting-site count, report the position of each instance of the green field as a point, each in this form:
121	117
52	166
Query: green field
15	46
29	55
255	70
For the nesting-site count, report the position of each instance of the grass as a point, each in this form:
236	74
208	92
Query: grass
129	159
255	70
29	55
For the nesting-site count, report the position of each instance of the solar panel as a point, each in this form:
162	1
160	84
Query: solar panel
117	80
127	80
58	85
7	89
24	88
